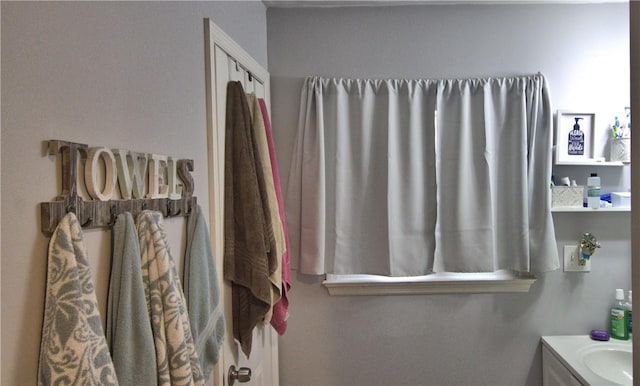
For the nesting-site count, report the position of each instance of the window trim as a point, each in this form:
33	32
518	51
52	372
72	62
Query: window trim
437	283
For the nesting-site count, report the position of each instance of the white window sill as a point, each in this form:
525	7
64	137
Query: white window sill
437	283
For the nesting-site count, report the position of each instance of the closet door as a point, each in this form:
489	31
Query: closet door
227	61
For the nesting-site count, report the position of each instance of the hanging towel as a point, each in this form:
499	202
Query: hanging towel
281	308
73	349
269	199
129	333
201	292
176	356
246	233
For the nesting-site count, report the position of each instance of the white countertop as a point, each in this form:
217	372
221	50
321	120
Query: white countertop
570	348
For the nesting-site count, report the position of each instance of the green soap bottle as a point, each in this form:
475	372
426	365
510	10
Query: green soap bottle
629	307
618	318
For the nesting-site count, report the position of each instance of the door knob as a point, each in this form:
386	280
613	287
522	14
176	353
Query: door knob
243	374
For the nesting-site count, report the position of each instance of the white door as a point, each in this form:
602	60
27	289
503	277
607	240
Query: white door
227	61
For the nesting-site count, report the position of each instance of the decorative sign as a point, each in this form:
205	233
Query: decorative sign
145	181
575	135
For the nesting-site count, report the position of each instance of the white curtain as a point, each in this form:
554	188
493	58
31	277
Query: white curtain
373	189
494	168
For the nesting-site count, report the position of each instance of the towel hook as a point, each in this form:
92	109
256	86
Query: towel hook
87	223
171	213
189	207
112	215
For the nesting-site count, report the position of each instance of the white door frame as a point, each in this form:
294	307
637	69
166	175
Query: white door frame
216	37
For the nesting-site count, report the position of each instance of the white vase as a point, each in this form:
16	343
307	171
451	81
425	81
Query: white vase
620	150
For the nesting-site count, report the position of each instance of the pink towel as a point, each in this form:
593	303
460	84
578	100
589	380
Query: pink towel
281	308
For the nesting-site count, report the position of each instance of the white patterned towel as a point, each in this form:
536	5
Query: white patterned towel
73	349
178	362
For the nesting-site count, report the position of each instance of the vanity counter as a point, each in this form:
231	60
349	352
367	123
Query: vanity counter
587	361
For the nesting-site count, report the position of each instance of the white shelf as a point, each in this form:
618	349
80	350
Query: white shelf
613	209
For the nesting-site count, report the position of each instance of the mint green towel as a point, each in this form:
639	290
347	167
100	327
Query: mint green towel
129	333
202	292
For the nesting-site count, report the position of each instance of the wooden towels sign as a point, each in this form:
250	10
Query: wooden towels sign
146	181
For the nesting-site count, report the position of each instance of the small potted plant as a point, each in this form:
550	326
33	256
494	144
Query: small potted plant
588	246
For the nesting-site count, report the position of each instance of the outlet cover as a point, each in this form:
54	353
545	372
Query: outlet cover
572	261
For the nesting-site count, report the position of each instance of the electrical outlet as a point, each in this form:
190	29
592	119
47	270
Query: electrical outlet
572	261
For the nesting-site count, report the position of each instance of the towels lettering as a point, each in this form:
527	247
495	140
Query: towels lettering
138	175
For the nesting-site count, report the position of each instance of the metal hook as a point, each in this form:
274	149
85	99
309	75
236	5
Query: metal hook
87	223
171	213
177	213
189	207
113	216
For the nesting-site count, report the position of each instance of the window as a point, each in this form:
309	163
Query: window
373	190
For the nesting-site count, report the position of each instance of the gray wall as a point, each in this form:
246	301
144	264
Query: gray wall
115	74
131	75
454	339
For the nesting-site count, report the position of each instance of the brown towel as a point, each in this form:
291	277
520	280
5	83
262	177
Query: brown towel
247	235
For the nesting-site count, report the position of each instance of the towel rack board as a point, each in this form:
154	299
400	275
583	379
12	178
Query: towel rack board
97	213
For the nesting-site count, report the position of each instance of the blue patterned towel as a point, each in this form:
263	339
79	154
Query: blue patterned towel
178	362
73	349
